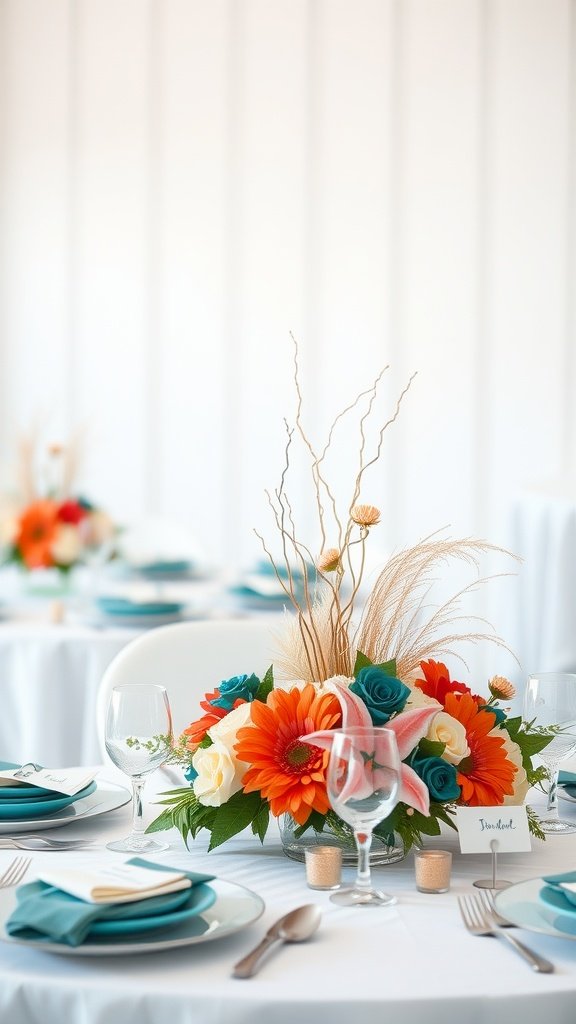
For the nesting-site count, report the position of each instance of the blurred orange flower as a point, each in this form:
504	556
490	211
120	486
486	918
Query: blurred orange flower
36	534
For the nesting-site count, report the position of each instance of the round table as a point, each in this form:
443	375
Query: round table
408	964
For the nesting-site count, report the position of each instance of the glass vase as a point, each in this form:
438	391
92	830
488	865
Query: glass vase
335	833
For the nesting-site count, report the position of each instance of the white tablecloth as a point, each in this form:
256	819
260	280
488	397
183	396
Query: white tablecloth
49	677
408	964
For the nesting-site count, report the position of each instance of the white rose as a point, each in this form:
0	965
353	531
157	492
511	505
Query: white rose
226	730
67	547
514	754
445	729
219	770
217	778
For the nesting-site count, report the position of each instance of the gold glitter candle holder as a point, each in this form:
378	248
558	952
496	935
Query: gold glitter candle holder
433	870
323	867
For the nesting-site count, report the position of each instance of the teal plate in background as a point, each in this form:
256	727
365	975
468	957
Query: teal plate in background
122	606
14	809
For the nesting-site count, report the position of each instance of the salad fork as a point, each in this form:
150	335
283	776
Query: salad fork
479	922
490	906
15	872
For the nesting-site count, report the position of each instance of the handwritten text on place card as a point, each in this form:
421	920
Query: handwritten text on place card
479	826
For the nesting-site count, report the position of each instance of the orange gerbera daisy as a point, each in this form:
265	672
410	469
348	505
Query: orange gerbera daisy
197	730
290	774
36	534
486	775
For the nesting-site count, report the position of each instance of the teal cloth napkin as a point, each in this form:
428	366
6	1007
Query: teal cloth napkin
45	911
567	778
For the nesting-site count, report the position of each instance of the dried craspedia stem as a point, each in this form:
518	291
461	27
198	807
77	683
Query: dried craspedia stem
365	515
329	560
501	688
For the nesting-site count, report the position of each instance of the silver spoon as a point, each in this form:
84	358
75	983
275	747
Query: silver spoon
296	926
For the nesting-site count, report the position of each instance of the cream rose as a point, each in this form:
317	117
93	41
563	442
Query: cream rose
67	547
219	770
226	730
217	778
445	729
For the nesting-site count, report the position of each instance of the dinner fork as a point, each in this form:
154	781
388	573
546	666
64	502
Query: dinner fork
30	842
479	922
15	872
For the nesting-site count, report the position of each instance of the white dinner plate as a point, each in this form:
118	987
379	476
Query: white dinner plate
233	909
106	797
520	904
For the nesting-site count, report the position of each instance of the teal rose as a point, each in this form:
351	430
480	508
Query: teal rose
383	695
439	777
236	688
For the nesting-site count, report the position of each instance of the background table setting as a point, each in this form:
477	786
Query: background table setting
414	959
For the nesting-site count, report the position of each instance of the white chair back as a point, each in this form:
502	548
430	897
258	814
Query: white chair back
189	659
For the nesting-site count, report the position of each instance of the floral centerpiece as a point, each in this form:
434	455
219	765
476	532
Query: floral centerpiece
51	527
246	759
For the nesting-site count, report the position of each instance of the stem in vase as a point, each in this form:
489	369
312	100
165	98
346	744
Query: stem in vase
552	807
363	844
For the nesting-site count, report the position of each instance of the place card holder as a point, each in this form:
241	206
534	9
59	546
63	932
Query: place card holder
493	830
493	882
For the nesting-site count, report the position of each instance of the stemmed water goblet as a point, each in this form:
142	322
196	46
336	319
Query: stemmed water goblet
138	734
550	700
363	781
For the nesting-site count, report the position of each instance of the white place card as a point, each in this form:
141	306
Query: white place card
478	826
68	781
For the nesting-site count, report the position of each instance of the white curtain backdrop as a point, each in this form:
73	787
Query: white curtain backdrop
184	182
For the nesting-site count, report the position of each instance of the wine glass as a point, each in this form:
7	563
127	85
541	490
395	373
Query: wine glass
550	699
363	781
138	735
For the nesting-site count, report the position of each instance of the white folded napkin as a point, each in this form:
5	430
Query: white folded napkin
118	883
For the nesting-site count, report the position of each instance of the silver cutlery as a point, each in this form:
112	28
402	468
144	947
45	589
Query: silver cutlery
15	872
479	922
296	926
490	906
30	842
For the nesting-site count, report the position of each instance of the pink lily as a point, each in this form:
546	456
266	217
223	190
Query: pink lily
409	728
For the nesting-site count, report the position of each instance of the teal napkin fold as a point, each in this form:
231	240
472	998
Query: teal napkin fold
44	911
567	778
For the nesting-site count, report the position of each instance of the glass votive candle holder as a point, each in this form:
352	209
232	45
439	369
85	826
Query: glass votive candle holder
323	867
433	870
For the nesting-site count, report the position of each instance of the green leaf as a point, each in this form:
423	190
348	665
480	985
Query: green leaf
361	662
163	821
431	748
266	685
388	667
260	822
232	817
315	821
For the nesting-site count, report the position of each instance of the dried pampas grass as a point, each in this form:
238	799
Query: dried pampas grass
397	622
